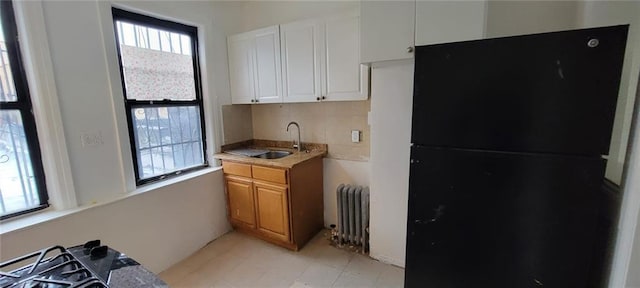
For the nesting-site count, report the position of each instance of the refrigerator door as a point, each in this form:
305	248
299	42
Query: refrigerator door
548	93
492	219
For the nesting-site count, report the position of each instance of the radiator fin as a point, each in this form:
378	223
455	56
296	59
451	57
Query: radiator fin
353	215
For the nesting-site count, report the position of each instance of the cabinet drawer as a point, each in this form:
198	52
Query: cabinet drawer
270	174
236	169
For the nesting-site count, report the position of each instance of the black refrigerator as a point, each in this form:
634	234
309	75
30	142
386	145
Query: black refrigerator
508	138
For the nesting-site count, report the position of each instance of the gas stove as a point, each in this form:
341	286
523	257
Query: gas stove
91	265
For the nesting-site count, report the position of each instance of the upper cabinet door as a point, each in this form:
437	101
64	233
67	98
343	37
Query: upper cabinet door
387	30
268	82
449	21
241	68
346	78
254	66
302	52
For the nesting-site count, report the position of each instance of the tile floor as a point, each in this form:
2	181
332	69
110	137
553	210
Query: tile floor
237	260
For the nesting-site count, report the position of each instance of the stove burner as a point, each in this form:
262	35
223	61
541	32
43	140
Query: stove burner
54	267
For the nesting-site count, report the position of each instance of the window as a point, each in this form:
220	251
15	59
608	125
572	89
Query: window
163	97
22	182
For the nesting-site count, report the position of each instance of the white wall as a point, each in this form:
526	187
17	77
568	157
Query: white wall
80	70
226	18
336	172
158	227
258	14
508	18
391	103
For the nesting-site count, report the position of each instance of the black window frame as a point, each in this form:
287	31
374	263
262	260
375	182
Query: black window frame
132	104
24	105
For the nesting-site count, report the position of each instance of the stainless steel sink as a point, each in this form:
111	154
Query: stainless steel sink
273	154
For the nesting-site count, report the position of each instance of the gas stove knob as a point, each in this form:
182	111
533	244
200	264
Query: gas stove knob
91	244
99	252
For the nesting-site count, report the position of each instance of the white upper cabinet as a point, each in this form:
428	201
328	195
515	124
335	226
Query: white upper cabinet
449	21
302	58
304	61
391	29
387	30
321	60
241	58
346	79
268	73
254	66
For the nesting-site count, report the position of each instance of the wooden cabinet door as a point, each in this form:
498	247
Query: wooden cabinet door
241	53
241	200
268	75
272	210
302	52
387	30
346	79
449	21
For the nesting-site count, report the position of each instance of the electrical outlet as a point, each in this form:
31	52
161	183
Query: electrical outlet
355	136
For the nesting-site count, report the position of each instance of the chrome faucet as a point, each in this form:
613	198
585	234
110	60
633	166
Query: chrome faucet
299	145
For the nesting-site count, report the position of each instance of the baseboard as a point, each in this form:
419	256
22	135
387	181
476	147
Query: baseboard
389	260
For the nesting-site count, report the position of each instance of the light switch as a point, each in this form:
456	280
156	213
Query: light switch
355	136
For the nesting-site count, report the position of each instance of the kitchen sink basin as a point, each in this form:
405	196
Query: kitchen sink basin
273	154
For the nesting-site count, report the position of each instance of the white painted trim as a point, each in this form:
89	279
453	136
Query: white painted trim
212	108
117	97
39	70
388	260
485	21
630	204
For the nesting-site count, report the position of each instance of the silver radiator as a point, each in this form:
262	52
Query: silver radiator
353	216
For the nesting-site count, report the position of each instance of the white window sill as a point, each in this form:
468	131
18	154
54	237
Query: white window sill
48	214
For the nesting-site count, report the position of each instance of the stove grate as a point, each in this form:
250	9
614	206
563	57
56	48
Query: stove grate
53	267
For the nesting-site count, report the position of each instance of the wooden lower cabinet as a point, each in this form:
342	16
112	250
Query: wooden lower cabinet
272	209
280	205
241	200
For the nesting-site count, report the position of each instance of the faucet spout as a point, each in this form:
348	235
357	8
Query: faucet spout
298	145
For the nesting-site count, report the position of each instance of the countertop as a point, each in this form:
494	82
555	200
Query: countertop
289	161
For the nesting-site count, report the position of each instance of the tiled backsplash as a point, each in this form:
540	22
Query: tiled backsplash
326	122
236	120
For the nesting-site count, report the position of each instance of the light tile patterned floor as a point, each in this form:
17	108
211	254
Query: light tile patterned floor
237	260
